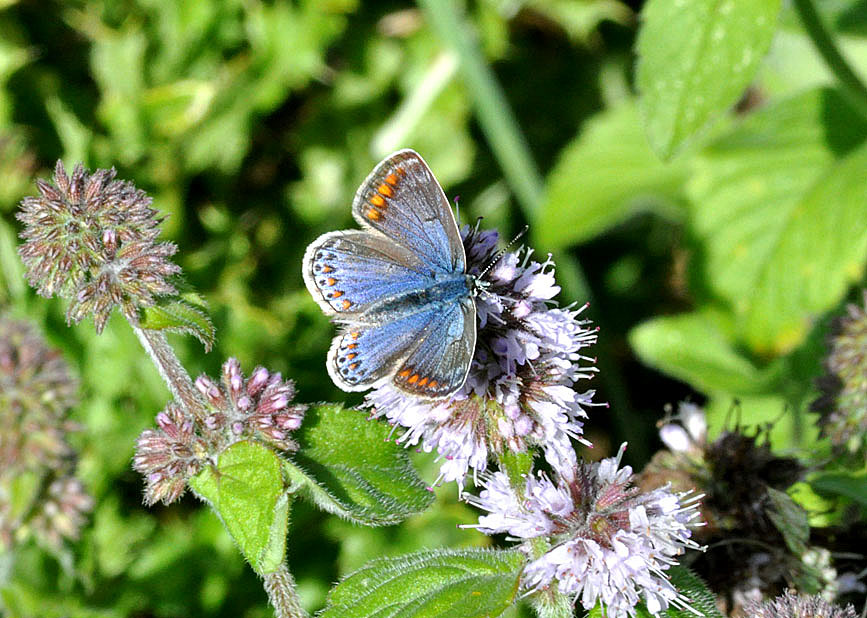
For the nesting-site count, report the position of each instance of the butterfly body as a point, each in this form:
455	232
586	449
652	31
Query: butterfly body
398	287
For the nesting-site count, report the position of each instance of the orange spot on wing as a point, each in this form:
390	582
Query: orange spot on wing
346	305
378	201
353	365
391	179
355	335
331	281
385	190
413	378
404	373
422	382
374	214
352	346
336	294
351	355
433	384
327	269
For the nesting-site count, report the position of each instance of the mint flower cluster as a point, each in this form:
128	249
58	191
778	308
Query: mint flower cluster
39	492
236	408
93	239
519	393
608	541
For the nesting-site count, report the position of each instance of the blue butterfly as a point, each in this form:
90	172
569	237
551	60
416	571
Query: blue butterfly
399	287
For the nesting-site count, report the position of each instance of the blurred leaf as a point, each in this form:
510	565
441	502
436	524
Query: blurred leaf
852	485
180	315
19	601
580	19
432	584
693	347
74	135
787	428
12	282
762	237
790	519
694	61
603	177
818	255
348	466
246	489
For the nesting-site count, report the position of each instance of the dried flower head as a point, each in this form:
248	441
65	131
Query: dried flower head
520	389
258	407
794	606
752	550
38	493
843	403
609	541
93	239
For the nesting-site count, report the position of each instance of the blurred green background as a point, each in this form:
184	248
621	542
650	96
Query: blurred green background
252	123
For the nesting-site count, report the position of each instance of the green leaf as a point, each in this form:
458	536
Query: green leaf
246	490
693	347
850	485
604	176
181	315
822	249
790	519
776	255
430	584
694	61
692	587
347	466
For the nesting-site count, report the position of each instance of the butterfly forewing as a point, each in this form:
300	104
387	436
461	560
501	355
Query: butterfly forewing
348	272
402	199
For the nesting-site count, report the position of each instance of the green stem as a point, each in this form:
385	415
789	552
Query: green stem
492	109
280	586
821	36
173	373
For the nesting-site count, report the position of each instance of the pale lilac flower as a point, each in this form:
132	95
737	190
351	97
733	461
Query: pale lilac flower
258	407
520	389
609	541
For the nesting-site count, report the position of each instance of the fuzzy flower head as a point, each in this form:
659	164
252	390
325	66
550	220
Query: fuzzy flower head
257	407
609	541
746	508
520	388
793	606
37	393
843	404
93	239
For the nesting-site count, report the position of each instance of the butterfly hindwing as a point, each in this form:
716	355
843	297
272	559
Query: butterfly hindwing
362	354
347	272
439	364
402	199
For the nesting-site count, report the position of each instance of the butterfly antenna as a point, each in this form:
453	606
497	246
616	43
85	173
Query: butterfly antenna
499	255
456	199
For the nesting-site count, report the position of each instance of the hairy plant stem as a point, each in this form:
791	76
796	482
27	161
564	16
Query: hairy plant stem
280	586
823	40
173	373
